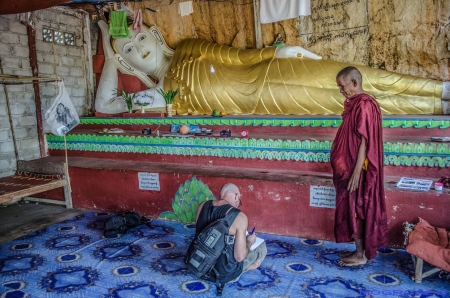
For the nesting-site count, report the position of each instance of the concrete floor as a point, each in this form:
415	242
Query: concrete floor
19	219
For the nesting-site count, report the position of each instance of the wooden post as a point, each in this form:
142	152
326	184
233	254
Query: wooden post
10	116
37	97
258	34
89	65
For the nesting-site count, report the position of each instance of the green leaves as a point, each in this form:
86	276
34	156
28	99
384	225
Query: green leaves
127	97
169	95
186	201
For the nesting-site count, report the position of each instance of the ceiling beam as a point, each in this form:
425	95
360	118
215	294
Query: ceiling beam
20	6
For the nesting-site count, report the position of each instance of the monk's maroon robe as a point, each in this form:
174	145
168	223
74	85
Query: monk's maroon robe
361	117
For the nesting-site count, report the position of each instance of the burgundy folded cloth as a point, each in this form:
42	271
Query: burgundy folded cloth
430	244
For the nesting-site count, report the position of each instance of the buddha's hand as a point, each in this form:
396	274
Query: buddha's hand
295	52
107	48
111	105
109	78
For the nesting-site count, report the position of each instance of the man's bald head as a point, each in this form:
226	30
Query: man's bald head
350	73
229	187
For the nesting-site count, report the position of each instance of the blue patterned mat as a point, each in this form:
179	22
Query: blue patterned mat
72	259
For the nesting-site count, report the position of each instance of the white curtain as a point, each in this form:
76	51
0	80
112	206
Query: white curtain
278	10
185	8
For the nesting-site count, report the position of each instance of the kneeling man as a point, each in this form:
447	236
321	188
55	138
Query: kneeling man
232	264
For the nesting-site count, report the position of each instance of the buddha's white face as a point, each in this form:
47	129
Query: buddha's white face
140	50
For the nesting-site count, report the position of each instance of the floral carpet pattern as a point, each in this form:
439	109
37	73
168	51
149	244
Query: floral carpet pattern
73	259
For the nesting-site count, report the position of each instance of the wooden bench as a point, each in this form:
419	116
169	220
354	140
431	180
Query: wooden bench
33	177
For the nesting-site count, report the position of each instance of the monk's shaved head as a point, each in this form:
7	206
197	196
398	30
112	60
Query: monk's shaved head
350	73
349	81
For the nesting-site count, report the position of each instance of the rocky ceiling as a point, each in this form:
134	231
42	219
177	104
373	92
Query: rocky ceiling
20	6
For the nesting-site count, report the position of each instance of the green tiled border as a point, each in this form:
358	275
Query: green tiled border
418	161
405	154
243	143
196	151
417	148
284	122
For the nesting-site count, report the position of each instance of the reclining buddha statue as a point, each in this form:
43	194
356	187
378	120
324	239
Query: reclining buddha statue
269	81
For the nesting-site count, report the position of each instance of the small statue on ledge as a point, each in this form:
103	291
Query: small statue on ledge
278	41
270	81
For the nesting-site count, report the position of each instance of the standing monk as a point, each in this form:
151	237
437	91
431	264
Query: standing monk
357	162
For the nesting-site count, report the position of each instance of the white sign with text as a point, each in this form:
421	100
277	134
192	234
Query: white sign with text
148	181
322	196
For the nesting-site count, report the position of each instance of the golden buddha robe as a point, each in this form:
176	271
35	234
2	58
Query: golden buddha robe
212	76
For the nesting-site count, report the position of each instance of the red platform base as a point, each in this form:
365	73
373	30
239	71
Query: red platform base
276	193
275	201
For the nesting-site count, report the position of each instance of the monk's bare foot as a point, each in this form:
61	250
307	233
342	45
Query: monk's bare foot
254	265
346	254
353	260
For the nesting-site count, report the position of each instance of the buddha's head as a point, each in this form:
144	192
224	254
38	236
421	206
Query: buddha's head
142	51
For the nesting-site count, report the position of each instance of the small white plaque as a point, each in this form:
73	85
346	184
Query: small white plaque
322	196
148	181
414	184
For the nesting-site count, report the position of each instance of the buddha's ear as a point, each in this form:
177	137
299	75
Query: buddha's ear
126	68
168	52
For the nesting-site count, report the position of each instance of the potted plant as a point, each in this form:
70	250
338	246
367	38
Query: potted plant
143	100
127	97
168	97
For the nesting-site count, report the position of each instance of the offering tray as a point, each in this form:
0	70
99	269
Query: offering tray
440	139
203	133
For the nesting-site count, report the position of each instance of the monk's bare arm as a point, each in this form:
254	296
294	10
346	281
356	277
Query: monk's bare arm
242	243
354	179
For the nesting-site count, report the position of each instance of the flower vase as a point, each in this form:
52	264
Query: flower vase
169	110
130	107
142	109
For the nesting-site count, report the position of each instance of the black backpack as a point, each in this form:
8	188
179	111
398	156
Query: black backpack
120	223
206	248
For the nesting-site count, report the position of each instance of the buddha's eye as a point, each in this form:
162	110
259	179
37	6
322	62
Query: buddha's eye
129	49
142	38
